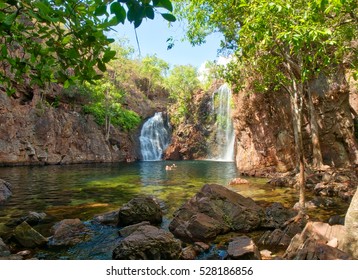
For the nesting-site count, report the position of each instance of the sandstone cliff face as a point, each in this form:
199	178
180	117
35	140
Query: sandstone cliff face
190	139
33	135
263	124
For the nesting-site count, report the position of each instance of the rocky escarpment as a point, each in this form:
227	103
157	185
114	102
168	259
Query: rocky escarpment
190	138
265	138
50	128
35	135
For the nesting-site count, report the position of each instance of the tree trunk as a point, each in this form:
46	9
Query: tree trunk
317	161
108	127
297	105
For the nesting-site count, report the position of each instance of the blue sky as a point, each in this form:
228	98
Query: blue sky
153	34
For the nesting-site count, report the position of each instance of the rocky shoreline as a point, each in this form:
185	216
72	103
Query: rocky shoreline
216	223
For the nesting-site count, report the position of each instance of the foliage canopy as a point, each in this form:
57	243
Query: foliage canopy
64	41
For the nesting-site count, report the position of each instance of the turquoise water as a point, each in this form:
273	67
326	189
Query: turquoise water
82	191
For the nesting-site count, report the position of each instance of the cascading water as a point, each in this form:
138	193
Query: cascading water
223	148
154	137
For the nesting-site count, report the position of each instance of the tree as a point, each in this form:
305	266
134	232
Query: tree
286	42
182	82
64	41
105	104
154	70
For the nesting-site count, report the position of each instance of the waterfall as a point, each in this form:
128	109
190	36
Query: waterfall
154	137
223	148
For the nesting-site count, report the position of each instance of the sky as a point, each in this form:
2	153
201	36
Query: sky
153	34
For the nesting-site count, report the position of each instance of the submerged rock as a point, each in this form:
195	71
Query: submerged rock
243	248
109	218
26	236
69	232
140	209
148	243
5	190
215	210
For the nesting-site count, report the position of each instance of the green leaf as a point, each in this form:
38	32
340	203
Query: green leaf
164	4
43	8
108	55
101	10
119	11
137	22
66	84
169	17
9	19
66	40
101	66
149	12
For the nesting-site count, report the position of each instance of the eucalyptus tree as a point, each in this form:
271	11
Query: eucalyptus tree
286	42
64	41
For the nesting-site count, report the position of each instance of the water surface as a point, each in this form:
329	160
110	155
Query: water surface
82	191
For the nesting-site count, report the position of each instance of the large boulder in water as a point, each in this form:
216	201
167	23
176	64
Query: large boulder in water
140	209
28	237
148	243
215	210
5	190
350	243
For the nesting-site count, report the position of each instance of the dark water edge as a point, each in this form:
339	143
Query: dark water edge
82	191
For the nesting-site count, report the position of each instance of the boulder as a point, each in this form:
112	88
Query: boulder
109	218
69	232
215	210
310	249
316	241
238	181
275	238
277	215
343	190
243	248
4	249
27	237
189	253
336	220
350	243
148	243
128	230
140	209
5	190
32	218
